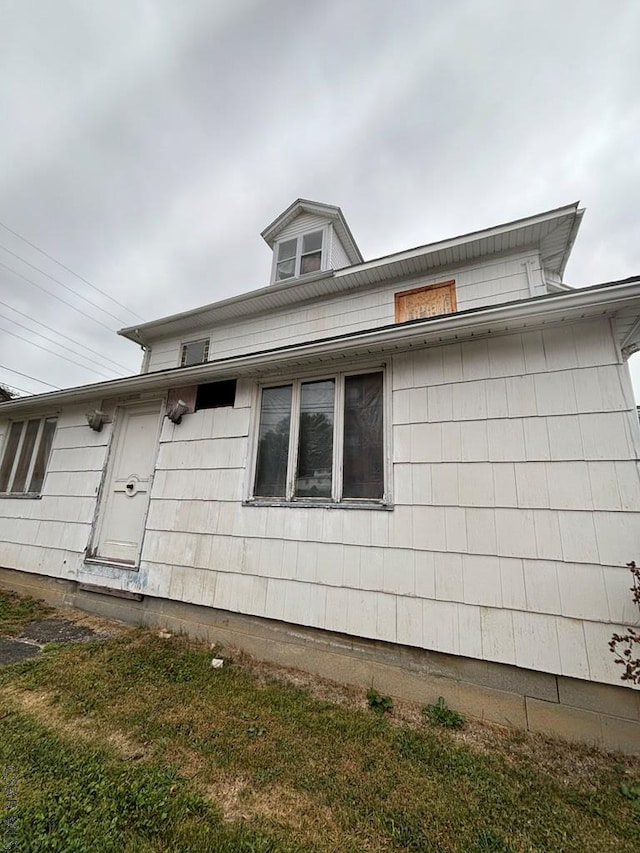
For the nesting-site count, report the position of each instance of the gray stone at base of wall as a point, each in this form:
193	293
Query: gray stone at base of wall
601	714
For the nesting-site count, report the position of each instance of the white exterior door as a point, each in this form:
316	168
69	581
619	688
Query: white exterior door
127	485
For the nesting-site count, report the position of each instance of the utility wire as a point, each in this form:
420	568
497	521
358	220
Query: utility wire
68	269
61	335
53	296
53	341
62	284
51	352
26	376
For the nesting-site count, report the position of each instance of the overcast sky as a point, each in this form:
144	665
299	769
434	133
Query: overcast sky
146	143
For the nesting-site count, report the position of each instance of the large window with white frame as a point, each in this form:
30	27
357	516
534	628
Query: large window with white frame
322	440
299	255
26	456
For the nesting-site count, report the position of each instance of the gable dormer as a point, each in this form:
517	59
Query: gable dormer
309	237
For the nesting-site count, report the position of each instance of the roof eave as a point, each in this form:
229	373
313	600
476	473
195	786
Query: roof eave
603	299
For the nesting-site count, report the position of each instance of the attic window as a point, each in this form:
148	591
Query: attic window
213	395
194	352
299	255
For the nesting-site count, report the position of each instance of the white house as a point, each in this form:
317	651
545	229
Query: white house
418	471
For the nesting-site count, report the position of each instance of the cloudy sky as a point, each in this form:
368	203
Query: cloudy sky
146	143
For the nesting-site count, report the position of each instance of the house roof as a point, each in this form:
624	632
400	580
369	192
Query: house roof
552	233
329	211
619	299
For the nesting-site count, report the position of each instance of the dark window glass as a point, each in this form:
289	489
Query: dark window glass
311	252
42	457
273	442
286	267
214	394
194	352
28	444
363	466
315	441
10	454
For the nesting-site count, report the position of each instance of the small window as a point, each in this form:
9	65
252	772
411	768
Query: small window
322	440
430	301
26	456
194	352
213	395
299	256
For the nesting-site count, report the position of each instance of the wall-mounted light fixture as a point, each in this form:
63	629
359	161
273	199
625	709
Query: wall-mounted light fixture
96	419
176	410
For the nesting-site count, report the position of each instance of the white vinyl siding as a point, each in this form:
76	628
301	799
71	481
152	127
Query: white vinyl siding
516	504
487	283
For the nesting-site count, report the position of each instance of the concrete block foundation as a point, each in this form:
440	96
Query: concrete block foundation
607	716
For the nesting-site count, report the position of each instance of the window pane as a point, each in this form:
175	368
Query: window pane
44	448
315	445
363	437
285	269
312	242
195	352
287	250
25	456
273	442
310	263
10	454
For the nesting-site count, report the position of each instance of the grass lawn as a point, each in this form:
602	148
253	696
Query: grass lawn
136	744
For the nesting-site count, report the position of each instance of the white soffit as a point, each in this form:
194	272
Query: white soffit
615	299
552	233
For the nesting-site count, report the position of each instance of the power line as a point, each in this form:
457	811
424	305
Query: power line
26	376
61	335
62	284
51	352
53	296
68	269
51	340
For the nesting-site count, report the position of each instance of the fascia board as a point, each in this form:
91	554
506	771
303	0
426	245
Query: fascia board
484	235
601	300
146	332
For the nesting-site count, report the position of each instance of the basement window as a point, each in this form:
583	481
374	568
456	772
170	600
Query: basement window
26	455
194	352
213	395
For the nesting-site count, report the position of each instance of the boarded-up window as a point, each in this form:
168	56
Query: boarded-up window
26	455
429	301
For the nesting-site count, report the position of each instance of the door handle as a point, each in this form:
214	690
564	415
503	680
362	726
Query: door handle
129	487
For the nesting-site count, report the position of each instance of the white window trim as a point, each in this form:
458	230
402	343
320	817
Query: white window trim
34	455
296	380
185	344
325	255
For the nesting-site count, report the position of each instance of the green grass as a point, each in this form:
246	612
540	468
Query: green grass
16	612
233	759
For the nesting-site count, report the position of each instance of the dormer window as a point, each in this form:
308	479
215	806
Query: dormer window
299	255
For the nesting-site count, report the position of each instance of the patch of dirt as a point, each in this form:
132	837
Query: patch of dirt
239	799
41	705
13	650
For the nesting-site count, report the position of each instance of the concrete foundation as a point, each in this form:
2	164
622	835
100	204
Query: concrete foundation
604	715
